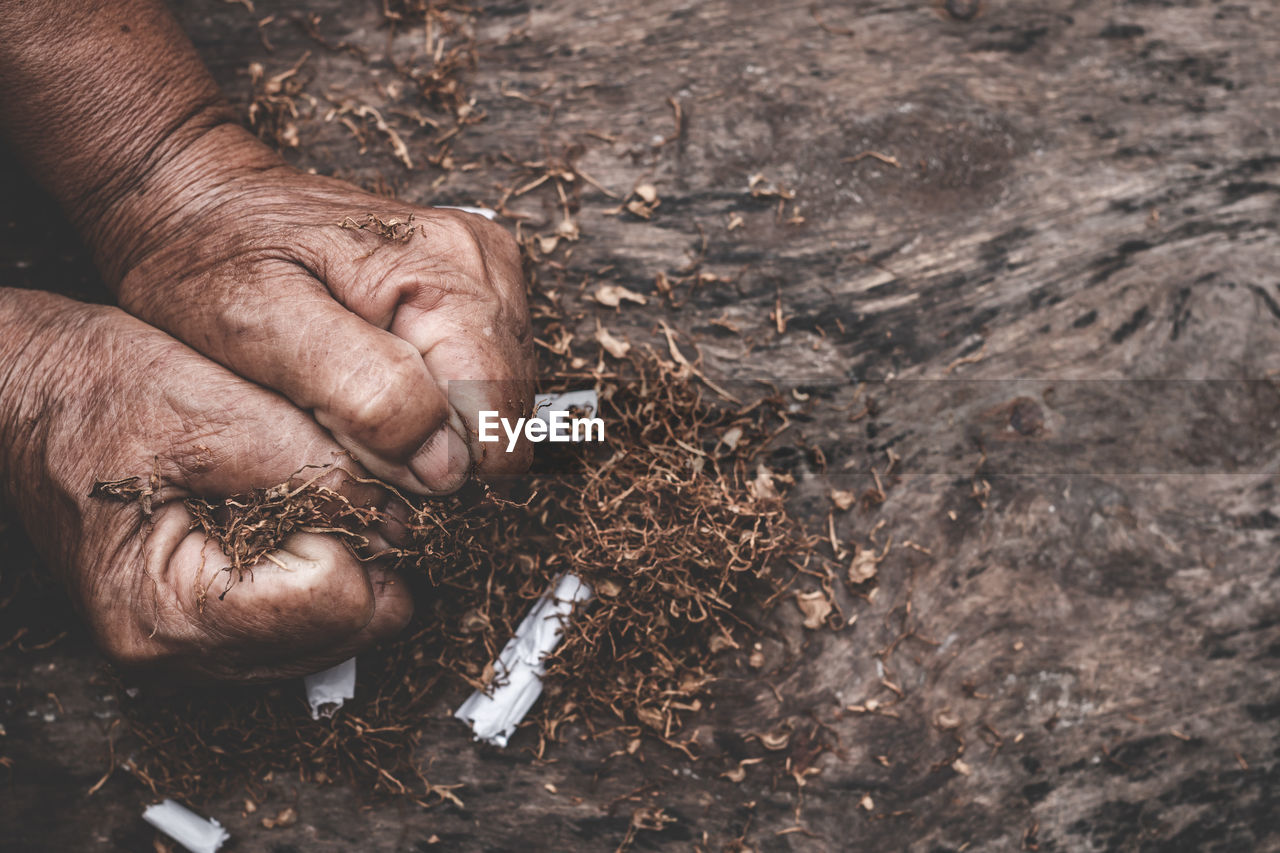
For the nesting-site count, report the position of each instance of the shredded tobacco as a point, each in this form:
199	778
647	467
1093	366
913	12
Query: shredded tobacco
677	528
394	229
674	521
273	106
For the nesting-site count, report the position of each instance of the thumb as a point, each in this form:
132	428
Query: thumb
306	605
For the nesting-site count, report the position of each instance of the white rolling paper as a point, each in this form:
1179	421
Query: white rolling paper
186	827
493	714
479	211
329	689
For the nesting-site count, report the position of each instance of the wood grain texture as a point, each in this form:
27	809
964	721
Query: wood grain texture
1085	210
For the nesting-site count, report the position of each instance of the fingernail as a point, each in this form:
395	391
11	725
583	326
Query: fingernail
443	462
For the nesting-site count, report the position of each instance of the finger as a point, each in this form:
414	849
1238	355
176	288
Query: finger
393	608
308	594
454	362
306	605
283	330
192	616
466	313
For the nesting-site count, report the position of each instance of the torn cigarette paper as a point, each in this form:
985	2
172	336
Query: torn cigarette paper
186	827
494	713
329	689
545	404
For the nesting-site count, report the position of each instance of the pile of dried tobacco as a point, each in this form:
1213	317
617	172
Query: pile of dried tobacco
673	521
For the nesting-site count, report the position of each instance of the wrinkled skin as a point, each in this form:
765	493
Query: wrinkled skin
361	338
253	268
268	337
91	390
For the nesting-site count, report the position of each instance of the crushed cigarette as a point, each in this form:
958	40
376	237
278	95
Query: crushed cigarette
197	834
494	713
329	689
587	402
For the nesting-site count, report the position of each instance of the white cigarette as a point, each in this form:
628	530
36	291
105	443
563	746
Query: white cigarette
478	211
494	713
329	689
186	827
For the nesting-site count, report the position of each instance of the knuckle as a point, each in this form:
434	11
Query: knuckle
459	234
341	599
499	241
517	320
477	247
504	256
402	375
393	389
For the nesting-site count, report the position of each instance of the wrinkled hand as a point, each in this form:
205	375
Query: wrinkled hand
89	393
393	341
388	348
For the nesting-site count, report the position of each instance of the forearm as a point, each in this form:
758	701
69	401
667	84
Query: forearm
108	103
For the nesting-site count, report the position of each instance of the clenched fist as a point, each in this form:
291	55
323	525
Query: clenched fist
278	319
393	324
89	390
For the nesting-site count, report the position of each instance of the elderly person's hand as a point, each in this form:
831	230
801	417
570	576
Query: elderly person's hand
88	392
395	334
307	333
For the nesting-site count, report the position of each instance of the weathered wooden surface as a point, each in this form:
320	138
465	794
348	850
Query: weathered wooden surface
1087	191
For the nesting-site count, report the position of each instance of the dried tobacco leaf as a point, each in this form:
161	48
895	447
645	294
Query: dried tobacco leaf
670	520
